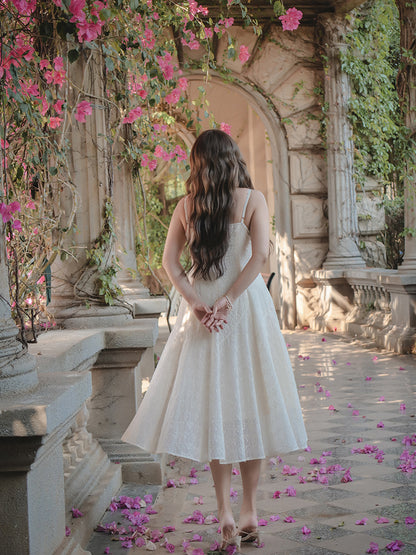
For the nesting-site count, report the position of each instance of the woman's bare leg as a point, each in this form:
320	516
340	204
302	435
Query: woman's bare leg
221	474
250	475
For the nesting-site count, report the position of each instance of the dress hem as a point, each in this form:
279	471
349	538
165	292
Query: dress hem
221	461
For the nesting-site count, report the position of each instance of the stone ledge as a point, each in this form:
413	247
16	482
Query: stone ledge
149	306
57	398
68	350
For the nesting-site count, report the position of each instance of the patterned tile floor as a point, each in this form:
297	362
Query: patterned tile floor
329	371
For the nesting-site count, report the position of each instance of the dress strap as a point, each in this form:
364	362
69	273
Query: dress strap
245	206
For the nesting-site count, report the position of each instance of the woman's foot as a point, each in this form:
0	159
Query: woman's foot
228	529
248	522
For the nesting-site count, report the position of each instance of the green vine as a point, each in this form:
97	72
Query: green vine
98	256
372	61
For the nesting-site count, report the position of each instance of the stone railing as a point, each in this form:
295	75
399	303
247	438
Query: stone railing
370	303
58	440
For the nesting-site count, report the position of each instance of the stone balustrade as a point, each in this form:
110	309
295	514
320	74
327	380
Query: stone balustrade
369	303
57	441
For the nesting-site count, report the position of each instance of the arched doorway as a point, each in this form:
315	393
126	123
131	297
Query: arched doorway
257	129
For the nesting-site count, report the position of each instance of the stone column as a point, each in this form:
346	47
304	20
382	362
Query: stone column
125	217
74	283
17	367
342	212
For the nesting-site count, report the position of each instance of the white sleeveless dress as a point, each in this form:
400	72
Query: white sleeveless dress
229	395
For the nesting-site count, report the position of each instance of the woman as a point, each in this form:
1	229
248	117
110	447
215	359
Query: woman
223	390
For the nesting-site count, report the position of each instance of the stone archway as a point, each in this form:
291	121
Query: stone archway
276	173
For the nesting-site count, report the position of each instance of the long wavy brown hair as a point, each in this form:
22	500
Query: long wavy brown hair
217	168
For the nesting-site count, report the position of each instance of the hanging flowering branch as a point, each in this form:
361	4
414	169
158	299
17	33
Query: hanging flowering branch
145	97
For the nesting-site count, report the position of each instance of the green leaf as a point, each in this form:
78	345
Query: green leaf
53	170
109	64
105	14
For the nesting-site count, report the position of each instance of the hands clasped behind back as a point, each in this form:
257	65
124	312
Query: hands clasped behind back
213	318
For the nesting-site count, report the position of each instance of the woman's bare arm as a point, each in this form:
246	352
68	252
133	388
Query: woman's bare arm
175	243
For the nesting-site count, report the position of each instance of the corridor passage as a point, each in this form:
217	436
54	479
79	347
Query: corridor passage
353	491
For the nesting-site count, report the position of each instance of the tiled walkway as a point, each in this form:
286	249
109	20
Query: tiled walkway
353	399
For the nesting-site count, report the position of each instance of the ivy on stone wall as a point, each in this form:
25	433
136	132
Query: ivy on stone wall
372	61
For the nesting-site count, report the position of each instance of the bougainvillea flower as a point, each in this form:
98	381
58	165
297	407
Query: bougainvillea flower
276	494
170	548
197	517
409	521
211	519
373	548
196	538
226	127
362	522
183	83
382	520
289	519
233	493
173	97
305	531
55	122
402	407
84	108
274	518
368	378
347	476
198	500
170	483
67	531
397	545
244	54
331	407
262	522
290	491
58	106
76	513
107	550
380	425
355	412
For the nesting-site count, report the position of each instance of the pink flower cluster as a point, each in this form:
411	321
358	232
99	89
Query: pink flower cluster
291	19
88	30
7	211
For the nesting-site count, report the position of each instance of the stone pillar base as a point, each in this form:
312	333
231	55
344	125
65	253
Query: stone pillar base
150	307
336	300
95	316
132	288
137	466
334	262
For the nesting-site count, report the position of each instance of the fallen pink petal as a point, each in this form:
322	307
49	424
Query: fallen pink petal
262	522
76	513
305	531
396	545
274	518
410	521
289	519
361	522
380	425
382	520
373	548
